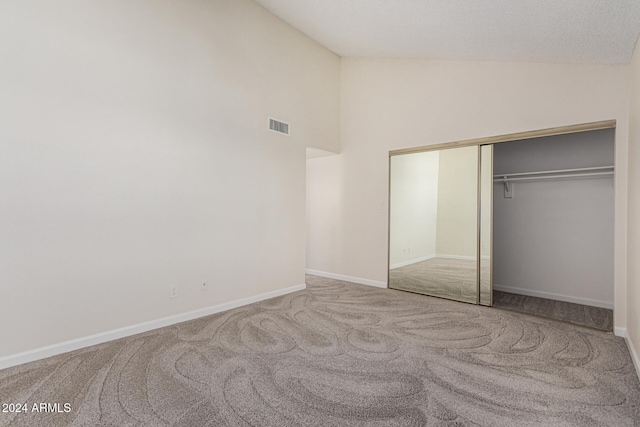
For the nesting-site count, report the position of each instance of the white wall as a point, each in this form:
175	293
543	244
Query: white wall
633	300
135	156
324	211
457	230
393	104
554	239
414	207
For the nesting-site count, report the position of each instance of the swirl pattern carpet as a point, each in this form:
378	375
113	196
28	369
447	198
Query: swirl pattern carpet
443	277
340	354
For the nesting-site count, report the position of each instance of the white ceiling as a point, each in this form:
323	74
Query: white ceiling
566	31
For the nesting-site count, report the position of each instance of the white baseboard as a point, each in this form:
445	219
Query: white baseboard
347	278
557	297
634	355
76	344
465	257
620	332
411	261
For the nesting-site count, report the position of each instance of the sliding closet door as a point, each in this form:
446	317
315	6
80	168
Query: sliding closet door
433	223
486	224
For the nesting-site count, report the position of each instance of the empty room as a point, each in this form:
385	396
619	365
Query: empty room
295	213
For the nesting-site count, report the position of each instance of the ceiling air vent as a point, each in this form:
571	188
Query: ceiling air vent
279	126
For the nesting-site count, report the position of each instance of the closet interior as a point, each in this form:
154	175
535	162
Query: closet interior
553	227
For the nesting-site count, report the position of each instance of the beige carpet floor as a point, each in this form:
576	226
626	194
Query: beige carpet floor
340	354
442	277
585	315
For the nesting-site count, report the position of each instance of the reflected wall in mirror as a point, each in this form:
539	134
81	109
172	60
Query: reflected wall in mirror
433	223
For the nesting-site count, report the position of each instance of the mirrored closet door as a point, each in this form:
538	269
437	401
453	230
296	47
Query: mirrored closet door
440	222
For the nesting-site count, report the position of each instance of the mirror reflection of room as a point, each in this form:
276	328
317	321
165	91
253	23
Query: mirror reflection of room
434	223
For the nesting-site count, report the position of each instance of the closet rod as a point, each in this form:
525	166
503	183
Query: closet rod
575	175
598	168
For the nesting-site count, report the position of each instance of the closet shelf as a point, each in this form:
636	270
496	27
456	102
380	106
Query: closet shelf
594	172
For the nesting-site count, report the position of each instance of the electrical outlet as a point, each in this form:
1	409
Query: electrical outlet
204	286
173	291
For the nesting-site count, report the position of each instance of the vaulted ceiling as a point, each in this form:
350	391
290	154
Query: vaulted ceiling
563	31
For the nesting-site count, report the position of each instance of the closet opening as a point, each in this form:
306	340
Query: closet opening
553	227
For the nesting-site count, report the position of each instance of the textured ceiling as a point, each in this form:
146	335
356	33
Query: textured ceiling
566	31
